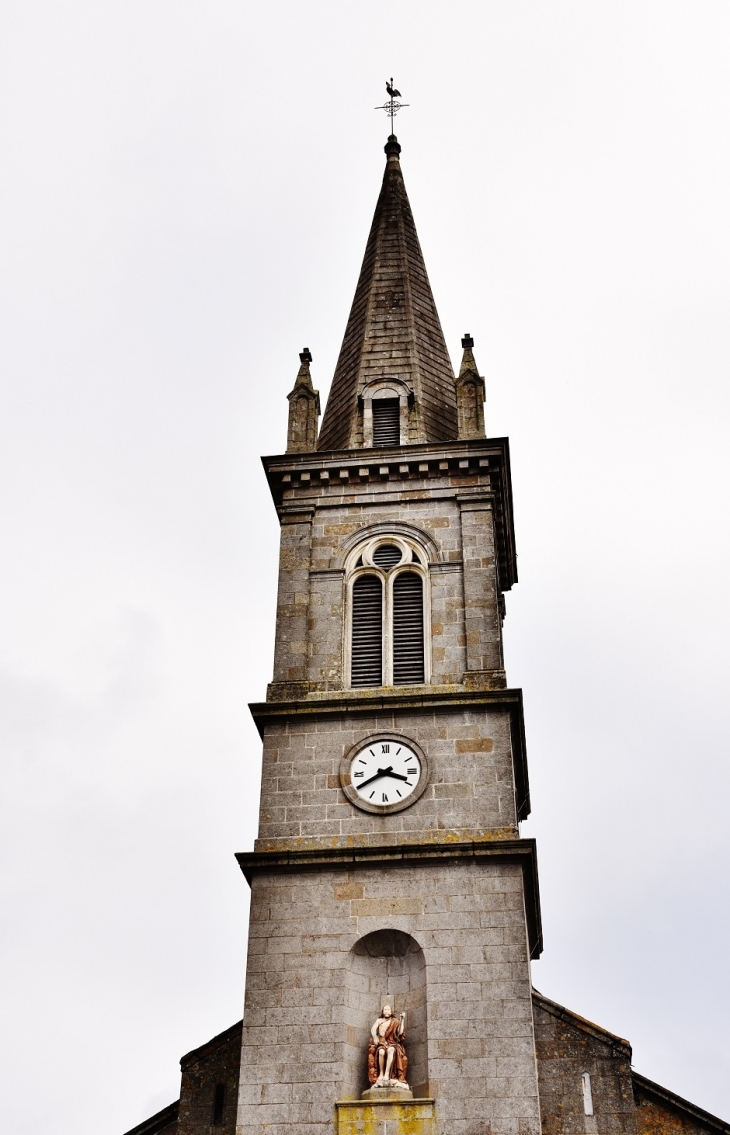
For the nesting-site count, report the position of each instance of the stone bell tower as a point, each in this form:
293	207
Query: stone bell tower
388	869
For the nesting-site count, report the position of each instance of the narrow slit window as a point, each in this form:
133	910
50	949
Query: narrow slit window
367	631
408	653
219	1100
386	421
587	1093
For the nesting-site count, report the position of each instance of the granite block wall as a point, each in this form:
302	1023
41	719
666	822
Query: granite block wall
209	1071
470	794
457	535
307	1013
566	1050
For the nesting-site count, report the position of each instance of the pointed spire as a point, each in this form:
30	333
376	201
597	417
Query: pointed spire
469	394
303	410
393	346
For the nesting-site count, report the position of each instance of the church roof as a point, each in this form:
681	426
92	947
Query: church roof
394	329
596	1031
646	1091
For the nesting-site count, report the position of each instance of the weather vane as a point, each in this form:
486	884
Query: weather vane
392	106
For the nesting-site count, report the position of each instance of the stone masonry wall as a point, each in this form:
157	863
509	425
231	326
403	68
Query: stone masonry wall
301	1025
470	794
216	1063
457	532
290	652
653	1117
564	1052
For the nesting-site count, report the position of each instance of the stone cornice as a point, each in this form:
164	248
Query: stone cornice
464	468
520	851
444	700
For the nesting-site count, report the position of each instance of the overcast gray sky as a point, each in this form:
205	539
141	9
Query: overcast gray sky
186	192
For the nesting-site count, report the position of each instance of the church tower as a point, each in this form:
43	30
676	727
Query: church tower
388	869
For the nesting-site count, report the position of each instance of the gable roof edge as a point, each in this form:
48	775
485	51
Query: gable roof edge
157	1122
211	1045
690	1110
586	1026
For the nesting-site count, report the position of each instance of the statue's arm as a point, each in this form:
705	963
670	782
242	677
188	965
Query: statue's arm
374	1031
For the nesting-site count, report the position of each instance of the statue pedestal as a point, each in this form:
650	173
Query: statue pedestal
391	1090
386	1117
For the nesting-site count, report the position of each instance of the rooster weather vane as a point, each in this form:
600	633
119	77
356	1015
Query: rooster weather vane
392	106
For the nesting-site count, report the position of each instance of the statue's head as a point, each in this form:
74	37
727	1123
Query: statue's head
387	1011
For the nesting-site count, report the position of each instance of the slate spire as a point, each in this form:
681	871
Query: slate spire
393	333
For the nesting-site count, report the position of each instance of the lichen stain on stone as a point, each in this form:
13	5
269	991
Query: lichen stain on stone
654	1120
372	842
397	1119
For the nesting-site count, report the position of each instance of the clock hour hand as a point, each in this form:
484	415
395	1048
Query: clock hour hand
396	775
381	772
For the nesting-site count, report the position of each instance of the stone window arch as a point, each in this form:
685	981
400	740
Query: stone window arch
388	604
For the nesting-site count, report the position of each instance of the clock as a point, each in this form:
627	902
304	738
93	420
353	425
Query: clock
384	773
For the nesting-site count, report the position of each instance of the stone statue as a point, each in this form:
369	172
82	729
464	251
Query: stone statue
387	1060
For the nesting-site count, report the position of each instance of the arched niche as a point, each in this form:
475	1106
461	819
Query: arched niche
385	967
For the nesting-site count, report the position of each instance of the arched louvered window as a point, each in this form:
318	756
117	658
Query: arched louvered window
386	421
367	631
408	653
388	614
387	555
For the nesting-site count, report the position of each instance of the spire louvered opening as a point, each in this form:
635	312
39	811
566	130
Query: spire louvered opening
386	421
408	654
387	556
367	631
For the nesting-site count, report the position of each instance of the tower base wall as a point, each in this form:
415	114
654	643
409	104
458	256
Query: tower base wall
314	990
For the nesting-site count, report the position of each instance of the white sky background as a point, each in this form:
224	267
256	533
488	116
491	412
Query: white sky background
186	193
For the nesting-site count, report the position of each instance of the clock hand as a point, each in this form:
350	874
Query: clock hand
381	772
396	776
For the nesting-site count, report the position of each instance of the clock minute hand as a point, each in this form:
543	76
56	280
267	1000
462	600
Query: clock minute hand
381	772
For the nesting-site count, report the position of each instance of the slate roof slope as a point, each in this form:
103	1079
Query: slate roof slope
394	329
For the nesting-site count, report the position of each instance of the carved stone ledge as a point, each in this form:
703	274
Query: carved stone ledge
476	468
485	680
287	691
522	852
382	1093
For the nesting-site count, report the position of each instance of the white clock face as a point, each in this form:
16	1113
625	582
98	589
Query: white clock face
384	773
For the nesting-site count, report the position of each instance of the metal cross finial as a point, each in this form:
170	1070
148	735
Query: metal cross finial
392	106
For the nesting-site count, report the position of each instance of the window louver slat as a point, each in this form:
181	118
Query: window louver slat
367	631
387	555
386	421
408	657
